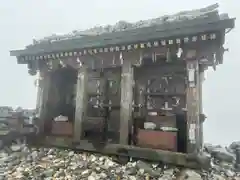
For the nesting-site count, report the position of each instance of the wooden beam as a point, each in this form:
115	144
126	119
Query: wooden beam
81	102
156	155
192	98
126	101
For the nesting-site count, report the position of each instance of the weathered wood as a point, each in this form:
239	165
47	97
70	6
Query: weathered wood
39	85
44	88
81	102
126	101
106	109
201	79
55	64
133	151
192	98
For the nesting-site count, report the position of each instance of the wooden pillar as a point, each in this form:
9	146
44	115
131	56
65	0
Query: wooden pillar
201	79
192	97
81	102
44	88
39	94
126	101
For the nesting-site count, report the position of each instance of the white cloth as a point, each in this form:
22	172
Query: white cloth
61	118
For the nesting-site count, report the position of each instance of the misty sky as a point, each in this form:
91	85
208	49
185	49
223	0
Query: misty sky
23	20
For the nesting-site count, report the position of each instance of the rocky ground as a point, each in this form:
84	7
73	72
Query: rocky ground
19	161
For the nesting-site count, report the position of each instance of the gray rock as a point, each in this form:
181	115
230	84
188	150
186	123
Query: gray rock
222	154
131	171
91	178
235	145
71	153
48	172
16	147
229	173
132	178
209	147
147	168
35	155
190	174
226	165
86	173
218	177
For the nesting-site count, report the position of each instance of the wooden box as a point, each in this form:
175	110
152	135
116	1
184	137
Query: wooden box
157	139
62	128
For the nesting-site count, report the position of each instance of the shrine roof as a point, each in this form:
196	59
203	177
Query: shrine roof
181	24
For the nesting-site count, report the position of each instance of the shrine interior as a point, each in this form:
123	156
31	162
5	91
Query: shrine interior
61	101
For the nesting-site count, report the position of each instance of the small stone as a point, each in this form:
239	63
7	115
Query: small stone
49	172
141	171
229	173
109	163
34	155
98	169
169	172
132	178
131	171
218	177
71	153
16	148
147	168
50	151
190	174
86	172
142	165
91	178
134	164
103	175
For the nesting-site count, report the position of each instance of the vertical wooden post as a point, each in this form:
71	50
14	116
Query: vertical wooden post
39	94
44	88
201	79
126	101
81	102
192	97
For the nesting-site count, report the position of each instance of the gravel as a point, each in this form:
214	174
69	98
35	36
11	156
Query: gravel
19	161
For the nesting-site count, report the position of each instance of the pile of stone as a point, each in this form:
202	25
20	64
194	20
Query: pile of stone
19	161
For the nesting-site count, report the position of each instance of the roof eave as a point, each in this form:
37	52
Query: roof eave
17	52
224	24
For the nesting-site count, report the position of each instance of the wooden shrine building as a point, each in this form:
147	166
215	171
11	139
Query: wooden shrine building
132	89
